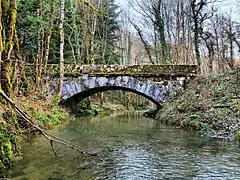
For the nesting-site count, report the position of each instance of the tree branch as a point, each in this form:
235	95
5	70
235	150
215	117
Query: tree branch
145	43
52	138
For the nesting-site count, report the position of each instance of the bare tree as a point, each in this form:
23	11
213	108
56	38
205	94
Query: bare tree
152	22
199	15
209	42
145	43
230	35
167	24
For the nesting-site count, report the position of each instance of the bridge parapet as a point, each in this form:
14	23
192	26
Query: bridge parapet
159	70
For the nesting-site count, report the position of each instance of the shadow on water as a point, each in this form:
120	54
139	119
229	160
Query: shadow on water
128	146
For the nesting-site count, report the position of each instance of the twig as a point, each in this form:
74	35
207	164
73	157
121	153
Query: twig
28	130
51	142
52	138
53	149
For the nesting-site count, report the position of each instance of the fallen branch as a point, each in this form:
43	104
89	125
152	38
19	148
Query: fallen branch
52	138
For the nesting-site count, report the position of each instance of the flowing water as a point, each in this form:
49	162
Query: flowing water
128	146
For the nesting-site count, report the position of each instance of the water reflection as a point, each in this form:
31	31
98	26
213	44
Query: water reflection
132	147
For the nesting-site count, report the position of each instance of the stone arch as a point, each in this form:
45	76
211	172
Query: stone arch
76	98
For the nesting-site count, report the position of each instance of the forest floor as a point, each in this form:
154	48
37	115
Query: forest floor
210	104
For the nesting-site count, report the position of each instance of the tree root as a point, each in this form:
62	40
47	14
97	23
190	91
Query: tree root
52	138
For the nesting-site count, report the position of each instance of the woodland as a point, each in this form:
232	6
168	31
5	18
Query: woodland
101	32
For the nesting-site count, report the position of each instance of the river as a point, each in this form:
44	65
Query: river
128	147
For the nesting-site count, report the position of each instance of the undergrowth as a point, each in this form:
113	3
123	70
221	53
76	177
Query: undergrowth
211	104
13	129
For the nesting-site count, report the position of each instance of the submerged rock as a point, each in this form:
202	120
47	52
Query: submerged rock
95	152
150	113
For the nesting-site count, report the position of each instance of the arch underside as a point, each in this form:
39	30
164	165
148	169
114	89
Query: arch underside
75	99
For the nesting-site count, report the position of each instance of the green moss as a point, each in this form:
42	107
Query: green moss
149	70
194	118
46	114
133	70
195	121
9	14
237	135
9	144
238	105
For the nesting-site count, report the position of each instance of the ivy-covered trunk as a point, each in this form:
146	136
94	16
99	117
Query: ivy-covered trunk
9	22
1	38
196	44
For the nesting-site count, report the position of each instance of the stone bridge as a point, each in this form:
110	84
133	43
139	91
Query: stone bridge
154	82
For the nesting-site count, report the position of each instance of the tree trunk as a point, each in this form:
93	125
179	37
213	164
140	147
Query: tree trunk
9	15
129	57
37	66
161	31
104	46
196	44
61	63
231	50
145	43
49	37
15	72
73	52
41	58
211	57
217	47
37	79
156	44
1	39
92	35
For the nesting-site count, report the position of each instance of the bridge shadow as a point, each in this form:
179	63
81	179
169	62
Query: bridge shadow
78	97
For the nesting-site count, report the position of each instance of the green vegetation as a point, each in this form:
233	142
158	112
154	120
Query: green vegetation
237	135
90	37
152	70
210	105
9	143
13	129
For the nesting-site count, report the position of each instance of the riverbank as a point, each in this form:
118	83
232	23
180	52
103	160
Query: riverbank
14	130
210	105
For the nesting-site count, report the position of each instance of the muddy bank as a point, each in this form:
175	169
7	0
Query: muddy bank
211	105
